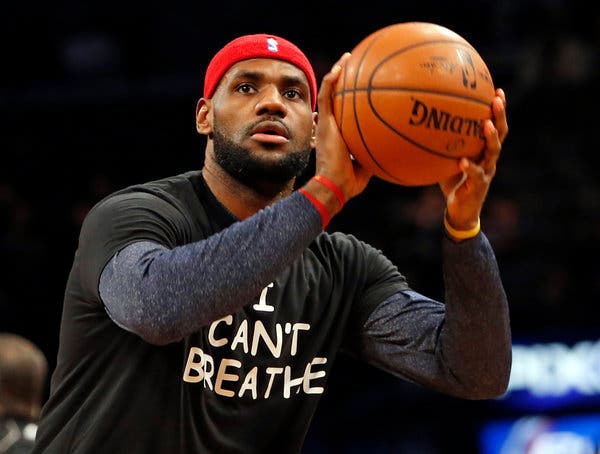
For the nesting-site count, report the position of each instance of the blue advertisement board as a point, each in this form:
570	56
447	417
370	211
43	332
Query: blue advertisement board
571	434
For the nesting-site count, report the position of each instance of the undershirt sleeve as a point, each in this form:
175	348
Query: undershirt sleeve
461	347
164	294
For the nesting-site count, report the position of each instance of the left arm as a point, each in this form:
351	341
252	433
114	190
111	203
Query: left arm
462	347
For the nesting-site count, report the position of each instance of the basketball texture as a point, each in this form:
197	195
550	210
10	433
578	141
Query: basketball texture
411	101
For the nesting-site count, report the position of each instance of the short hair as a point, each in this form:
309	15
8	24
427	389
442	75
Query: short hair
23	372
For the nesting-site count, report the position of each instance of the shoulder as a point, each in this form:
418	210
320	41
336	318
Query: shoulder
344	243
173	190
165	211
168	196
350	252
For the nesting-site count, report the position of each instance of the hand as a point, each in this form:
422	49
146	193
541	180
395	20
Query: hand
466	192
333	160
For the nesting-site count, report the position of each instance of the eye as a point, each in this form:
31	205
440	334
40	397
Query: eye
293	93
245	88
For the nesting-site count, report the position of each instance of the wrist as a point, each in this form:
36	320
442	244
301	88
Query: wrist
320	207
325	196
459	234
333	188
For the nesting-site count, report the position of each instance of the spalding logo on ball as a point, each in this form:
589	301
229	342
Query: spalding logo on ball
411	101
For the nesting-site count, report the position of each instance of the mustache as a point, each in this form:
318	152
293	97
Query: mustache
267	118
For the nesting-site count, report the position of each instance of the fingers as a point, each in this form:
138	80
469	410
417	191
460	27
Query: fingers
465	196
475	173
492	148
499	114
328	83
494	132
500	94
484	170
457	181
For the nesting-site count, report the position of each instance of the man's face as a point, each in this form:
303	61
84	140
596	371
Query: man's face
263	124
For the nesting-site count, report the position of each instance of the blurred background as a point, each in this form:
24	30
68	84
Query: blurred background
98	95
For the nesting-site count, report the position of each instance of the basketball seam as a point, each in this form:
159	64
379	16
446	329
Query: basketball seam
415	90
356	122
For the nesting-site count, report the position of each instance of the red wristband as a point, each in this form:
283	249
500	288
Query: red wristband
322	209
332	187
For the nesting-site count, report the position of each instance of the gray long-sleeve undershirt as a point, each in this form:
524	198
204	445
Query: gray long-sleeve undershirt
461	348
165	294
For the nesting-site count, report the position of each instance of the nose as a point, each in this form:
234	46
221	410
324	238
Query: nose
271	101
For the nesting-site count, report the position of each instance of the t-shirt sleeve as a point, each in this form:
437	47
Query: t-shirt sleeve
122	220
369	275
382	280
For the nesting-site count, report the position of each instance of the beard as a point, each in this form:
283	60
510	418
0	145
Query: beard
238	162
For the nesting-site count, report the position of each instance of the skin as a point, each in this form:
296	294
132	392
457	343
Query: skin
261	94
251	95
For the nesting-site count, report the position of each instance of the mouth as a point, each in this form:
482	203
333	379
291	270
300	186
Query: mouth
270	132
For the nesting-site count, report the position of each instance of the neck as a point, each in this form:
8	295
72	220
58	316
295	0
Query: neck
240	199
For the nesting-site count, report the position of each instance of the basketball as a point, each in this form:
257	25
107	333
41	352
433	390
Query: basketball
411	101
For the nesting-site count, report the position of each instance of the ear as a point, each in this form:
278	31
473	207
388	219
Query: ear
204	116
313	132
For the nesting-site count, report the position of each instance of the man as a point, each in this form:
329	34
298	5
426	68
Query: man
23	372
203	312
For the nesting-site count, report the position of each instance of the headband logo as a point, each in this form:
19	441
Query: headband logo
272	45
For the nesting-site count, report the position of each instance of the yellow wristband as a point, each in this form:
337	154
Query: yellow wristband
461	234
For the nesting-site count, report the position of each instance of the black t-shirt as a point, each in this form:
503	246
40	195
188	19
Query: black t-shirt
247	383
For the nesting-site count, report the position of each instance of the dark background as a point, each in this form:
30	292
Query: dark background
98	95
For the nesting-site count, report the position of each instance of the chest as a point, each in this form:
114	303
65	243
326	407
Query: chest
282	342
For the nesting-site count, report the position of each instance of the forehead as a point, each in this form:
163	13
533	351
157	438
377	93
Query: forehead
266	67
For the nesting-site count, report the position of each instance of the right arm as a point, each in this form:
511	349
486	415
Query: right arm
162	294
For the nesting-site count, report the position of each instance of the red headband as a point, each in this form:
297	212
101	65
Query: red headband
257	46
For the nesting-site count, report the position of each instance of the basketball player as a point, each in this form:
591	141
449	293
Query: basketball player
204	311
